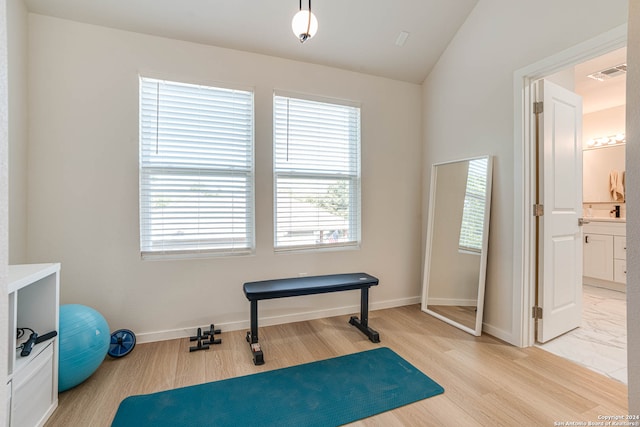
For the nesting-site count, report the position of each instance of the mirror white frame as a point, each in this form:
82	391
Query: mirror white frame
437	189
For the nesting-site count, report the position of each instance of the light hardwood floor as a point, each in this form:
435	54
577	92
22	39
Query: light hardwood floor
464	315
486	382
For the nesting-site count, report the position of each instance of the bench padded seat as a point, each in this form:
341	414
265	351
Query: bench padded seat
307	285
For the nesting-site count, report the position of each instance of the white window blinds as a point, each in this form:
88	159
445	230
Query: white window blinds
474	206
196	169
317	174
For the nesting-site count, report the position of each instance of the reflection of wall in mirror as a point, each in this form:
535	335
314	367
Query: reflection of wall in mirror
597	164
453	275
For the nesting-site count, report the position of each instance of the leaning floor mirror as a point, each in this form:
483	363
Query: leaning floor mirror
456	248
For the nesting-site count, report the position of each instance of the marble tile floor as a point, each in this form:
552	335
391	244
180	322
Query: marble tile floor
600	343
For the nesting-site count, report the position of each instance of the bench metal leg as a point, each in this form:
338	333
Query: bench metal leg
252	336
254	322
363	322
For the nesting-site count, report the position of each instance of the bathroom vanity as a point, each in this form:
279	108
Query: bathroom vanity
605	253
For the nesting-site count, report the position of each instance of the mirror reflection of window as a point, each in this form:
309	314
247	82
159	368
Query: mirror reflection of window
474	204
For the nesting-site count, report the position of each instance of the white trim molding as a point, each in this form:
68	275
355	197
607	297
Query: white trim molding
524	175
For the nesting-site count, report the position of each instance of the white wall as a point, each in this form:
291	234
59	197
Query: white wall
565	78
17	51
83	181
4	211
468	111
633	205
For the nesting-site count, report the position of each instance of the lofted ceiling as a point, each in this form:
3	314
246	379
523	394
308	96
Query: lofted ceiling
357	35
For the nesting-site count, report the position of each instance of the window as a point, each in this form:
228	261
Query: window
196	170
317	174
474	205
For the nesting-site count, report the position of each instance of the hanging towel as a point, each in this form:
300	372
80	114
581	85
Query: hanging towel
616	185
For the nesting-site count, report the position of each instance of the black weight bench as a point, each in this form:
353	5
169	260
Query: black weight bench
309	285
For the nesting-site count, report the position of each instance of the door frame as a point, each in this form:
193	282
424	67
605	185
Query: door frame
524	170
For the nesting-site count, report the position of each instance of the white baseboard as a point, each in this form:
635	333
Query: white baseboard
614	286
501	334
451	301
274	320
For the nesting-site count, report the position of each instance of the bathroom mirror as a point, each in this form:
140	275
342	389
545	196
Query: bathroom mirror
456	248
597	166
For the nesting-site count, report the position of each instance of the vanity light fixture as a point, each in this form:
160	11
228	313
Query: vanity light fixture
607	140
304	24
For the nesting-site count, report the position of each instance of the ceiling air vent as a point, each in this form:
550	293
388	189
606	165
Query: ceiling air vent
609	73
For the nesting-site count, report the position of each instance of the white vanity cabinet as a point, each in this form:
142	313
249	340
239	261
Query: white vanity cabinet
32	380
620	259
604	254
598	256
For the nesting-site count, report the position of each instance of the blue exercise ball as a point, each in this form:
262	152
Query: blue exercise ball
83	344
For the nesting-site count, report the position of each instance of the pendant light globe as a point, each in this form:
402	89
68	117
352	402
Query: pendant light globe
304	25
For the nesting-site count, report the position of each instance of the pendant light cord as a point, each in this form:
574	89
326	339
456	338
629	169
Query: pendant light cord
309	21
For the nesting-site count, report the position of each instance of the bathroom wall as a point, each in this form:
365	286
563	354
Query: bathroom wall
603	123
599	162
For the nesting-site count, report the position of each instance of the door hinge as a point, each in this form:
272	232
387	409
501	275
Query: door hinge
538	209
536	312
538	107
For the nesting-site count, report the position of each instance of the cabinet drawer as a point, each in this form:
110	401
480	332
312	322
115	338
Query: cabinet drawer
620	271
33	390
619	247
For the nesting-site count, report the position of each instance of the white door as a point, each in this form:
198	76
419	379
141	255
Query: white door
560	269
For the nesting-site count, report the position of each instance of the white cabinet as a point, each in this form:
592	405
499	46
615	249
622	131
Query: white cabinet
620	259
598	256
33	379
604	254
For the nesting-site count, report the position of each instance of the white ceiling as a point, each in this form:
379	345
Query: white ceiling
357	35
598	95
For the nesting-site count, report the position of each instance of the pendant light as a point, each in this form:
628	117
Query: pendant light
304	24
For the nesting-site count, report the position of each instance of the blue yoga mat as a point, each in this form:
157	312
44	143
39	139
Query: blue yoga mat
329	392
